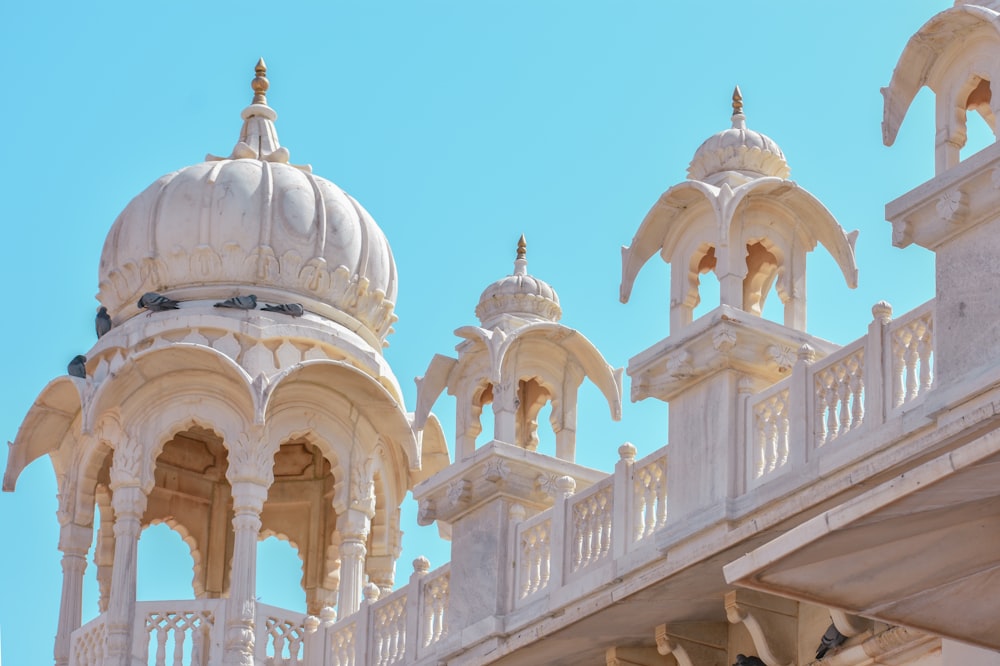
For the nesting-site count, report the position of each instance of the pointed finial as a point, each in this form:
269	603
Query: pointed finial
522	248
260	84
737	101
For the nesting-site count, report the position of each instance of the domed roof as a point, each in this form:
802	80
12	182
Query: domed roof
738	149
252	223
520	295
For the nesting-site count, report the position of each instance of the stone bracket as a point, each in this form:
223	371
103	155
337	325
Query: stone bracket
634	656
694	644
770	621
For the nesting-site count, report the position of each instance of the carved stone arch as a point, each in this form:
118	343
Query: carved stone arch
366	395
181	375
91	469
186	423
197	583
765	260
330	435
696	252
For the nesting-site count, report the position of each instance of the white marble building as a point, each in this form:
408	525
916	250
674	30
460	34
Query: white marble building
805	486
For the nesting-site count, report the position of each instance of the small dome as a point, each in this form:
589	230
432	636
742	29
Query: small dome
252	223
519	295
738	149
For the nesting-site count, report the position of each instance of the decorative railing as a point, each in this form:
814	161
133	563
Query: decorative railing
769	415
179	632
649	495
87	647
280	636
435	595
591	512
591	533
827	403
534	554
912	350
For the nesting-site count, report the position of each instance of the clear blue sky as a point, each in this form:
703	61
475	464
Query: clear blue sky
459	126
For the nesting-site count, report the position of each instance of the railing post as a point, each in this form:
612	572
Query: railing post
878	365
623	528
312	641
801	433
562	532
364	634
414	604
516	515
743	472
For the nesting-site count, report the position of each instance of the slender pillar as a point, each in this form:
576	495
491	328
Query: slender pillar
241	607
104	553
129	503
353	550
74	542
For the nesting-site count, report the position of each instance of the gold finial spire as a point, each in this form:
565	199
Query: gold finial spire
260	84
737	101
522	248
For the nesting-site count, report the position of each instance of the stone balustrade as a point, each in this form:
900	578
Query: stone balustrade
190	632
832	402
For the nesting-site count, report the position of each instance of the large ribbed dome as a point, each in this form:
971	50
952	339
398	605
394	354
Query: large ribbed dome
738	149
252	223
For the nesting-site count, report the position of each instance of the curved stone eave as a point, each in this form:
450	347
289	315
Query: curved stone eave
45	427
607	379
364	392
812	216
434	455
920	56
180	357
652	234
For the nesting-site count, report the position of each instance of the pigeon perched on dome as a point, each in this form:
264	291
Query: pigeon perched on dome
155	302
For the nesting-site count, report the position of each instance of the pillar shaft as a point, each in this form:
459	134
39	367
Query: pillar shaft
74	542
241	607
129	503
353	551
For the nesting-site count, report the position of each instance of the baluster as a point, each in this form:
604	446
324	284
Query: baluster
819	416
857	404
831	413
760	450
924	351
161	646
898	353
605	525
179	634
545	562
661	496
782	426
843	398
912	356
197	643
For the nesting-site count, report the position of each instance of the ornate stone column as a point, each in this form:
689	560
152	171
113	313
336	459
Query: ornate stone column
129	503
131	480
353	550
104	552
248	501
250	473
74	542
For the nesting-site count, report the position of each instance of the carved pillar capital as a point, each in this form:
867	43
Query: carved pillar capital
251	459
131	466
